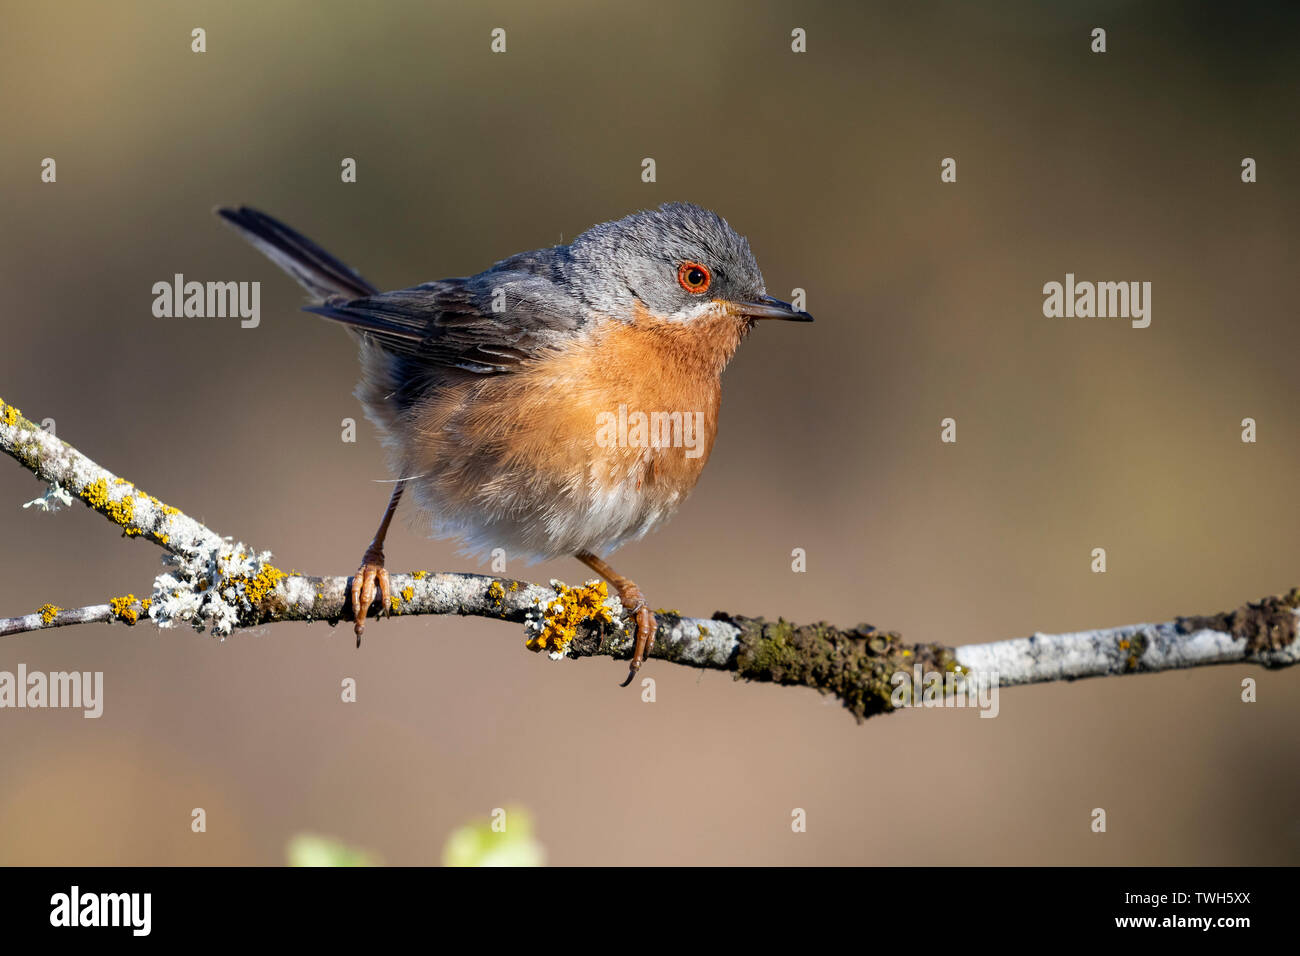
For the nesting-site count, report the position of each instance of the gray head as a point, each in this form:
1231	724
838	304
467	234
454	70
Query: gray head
680	261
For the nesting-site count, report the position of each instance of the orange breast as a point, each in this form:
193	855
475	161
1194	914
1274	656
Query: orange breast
640	399
616	427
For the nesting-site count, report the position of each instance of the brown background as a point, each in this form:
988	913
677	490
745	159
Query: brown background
1073	434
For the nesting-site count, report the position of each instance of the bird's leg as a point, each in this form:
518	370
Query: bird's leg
634	603
372	575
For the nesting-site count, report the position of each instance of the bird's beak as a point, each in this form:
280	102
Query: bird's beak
766	307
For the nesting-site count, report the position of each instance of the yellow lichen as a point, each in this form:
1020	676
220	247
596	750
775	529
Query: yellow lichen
11	414
96	493
419	575
394	602
571	608
123	608
146	603
262	583
496	592
162	508
408	593
254	589
48	612
120	512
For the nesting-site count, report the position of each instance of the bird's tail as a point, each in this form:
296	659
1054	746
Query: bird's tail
314	269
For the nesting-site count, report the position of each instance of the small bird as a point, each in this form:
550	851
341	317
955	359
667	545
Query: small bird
562	402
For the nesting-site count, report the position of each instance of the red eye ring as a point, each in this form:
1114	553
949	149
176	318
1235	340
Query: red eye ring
693	277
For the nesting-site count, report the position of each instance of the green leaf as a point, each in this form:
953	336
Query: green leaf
511	843
309	849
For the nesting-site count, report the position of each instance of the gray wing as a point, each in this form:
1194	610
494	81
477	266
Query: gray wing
489	323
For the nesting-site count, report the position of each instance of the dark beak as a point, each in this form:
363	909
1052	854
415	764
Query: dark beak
766	307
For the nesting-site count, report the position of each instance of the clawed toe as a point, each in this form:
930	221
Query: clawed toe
633	602
646	625
371	580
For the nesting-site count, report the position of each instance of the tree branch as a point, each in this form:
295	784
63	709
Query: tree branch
214	584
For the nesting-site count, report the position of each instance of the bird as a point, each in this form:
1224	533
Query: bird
562	402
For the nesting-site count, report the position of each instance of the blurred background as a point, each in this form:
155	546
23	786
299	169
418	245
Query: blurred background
1072	433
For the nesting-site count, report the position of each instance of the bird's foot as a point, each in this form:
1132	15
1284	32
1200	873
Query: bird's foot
646	624
371	578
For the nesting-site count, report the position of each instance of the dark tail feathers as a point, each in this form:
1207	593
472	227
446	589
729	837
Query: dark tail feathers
315	269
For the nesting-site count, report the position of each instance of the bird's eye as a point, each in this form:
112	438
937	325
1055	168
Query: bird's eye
694	278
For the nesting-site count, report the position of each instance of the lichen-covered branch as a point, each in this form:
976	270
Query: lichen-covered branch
59	464
213	584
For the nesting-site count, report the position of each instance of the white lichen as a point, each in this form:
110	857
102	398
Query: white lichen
55	497
212	590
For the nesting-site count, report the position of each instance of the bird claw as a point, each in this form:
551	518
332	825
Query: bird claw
371	579
646	625
633	601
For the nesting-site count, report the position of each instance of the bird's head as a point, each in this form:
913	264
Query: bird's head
679	263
